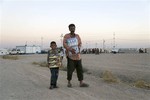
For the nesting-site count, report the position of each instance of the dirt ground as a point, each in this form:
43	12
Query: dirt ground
21	80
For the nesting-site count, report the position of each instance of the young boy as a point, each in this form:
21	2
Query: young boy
54	62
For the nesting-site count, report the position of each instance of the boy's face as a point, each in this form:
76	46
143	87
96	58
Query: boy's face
53	46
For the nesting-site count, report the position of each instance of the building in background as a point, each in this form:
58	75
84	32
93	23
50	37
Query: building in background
29	49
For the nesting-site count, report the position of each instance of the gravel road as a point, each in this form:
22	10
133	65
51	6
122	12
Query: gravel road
20	80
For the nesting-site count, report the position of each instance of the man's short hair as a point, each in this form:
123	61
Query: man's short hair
71	25
53	42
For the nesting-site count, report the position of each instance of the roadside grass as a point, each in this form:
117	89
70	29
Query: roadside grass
108	77
41	64
11	57
142	84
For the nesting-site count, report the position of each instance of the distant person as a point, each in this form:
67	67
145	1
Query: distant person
61	52
140	50
72	44
145	50
54	62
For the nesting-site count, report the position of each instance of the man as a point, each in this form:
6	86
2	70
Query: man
72	44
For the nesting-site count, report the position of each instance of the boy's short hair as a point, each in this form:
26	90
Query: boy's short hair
71	25
53	42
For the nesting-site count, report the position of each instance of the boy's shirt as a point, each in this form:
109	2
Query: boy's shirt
53	58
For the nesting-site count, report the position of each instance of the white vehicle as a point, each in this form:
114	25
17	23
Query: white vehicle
4	52
114	50
16	51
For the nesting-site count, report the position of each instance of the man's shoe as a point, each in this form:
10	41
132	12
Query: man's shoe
84	85
56	87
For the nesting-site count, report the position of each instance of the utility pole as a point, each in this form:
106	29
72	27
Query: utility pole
26	43
41	43
86	45
61	39
114	42
96	45
103	44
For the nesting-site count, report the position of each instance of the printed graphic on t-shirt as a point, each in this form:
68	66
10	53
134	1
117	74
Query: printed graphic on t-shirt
73	43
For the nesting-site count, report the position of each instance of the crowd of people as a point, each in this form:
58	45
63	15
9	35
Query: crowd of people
93	51
142	50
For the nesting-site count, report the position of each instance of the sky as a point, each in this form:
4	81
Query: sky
123	23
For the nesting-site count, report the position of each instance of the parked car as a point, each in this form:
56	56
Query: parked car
16	51
115	50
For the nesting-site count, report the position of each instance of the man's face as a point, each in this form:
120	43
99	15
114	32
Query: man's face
72	29
53	46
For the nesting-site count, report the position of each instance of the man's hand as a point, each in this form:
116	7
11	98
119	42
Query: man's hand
73	51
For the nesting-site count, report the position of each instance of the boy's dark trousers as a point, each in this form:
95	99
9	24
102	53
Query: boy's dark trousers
54	76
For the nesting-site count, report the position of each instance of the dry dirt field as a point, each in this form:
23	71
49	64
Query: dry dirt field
22	80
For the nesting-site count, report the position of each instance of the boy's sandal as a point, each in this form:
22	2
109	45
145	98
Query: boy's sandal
84	85
51	87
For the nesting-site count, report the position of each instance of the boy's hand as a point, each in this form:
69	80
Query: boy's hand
48	65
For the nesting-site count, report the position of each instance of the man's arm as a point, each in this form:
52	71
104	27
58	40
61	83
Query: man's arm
79	42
